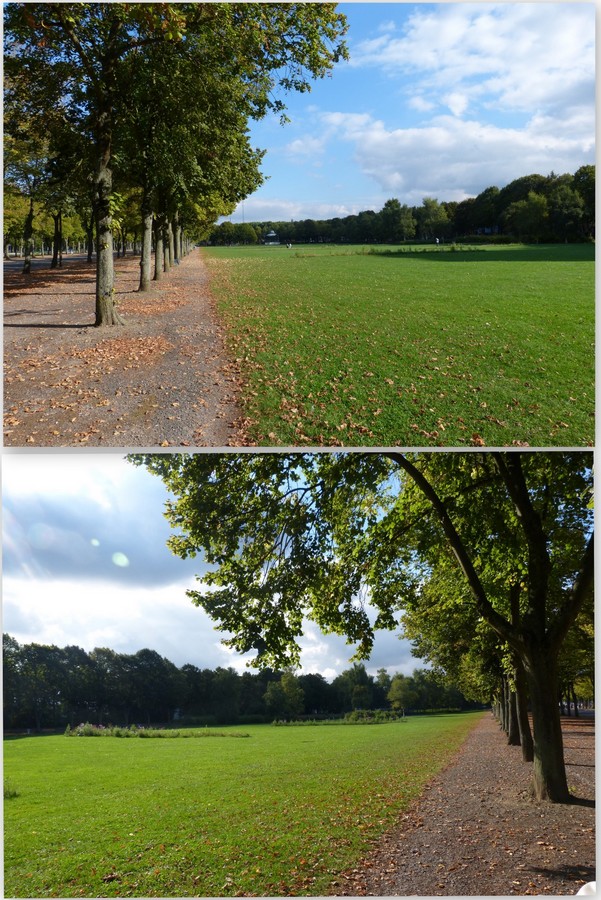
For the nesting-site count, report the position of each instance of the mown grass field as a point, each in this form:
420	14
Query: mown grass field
488	346
282	811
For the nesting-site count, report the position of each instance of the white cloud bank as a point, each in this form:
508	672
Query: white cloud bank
465	96
469	69
452	158
517	56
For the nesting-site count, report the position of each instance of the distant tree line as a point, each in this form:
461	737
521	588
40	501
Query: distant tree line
46	686
534	208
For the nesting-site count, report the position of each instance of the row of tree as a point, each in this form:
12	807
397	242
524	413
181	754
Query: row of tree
532	208
485	560
50	687
109	105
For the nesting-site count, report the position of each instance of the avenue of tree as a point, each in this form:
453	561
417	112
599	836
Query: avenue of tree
484	559
533	208
114	105
49	687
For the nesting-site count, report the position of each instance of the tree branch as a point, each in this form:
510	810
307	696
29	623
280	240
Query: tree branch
539	564
484	606
576	597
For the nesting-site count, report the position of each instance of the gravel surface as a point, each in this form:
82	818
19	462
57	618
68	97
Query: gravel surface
162	380
477	831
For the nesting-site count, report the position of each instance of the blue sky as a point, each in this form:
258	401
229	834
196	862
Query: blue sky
85	562
437	100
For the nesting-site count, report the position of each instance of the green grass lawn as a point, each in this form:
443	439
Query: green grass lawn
490	346
280	812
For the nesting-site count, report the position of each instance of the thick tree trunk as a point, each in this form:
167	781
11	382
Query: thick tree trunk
513	731
106	313
549	771
146	249
522	710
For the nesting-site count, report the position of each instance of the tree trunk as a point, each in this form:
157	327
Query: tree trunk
90	237
503	721
159	249
57	239
176	239
146	249
106	313
574	701
27	233
549	771
513	731
522	710
168	244
520	680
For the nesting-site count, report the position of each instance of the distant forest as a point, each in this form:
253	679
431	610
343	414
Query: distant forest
535	208
52	687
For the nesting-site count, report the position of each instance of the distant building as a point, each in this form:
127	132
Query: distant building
271	239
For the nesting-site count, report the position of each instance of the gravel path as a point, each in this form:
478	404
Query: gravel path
476	830
162	380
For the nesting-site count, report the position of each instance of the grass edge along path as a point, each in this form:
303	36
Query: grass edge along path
468	347
282	813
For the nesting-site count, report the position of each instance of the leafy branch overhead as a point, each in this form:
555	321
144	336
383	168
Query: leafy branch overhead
361	541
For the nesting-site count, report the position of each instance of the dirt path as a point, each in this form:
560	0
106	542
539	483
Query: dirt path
162	380
476	831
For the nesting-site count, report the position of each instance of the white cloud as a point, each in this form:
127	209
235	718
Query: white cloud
387	26
98	614
71	521
305	148
421	104
266	209
517	56
457	102
453	158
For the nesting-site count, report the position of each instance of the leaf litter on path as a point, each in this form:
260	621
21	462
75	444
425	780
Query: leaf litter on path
164	379
476	830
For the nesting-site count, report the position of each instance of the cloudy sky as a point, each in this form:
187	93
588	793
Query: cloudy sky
437	100
85	562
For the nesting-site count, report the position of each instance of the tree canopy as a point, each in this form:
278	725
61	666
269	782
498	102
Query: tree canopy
551	208
181	79
355	542
51	687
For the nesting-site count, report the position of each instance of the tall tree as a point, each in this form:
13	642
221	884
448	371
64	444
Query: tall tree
89	45
289	536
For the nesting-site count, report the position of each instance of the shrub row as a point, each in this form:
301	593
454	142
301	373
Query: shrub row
357	717
88	730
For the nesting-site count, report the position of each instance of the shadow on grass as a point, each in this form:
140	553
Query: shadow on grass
21	735
492	253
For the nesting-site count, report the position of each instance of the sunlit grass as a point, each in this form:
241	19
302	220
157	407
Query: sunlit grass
489	346
282	812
